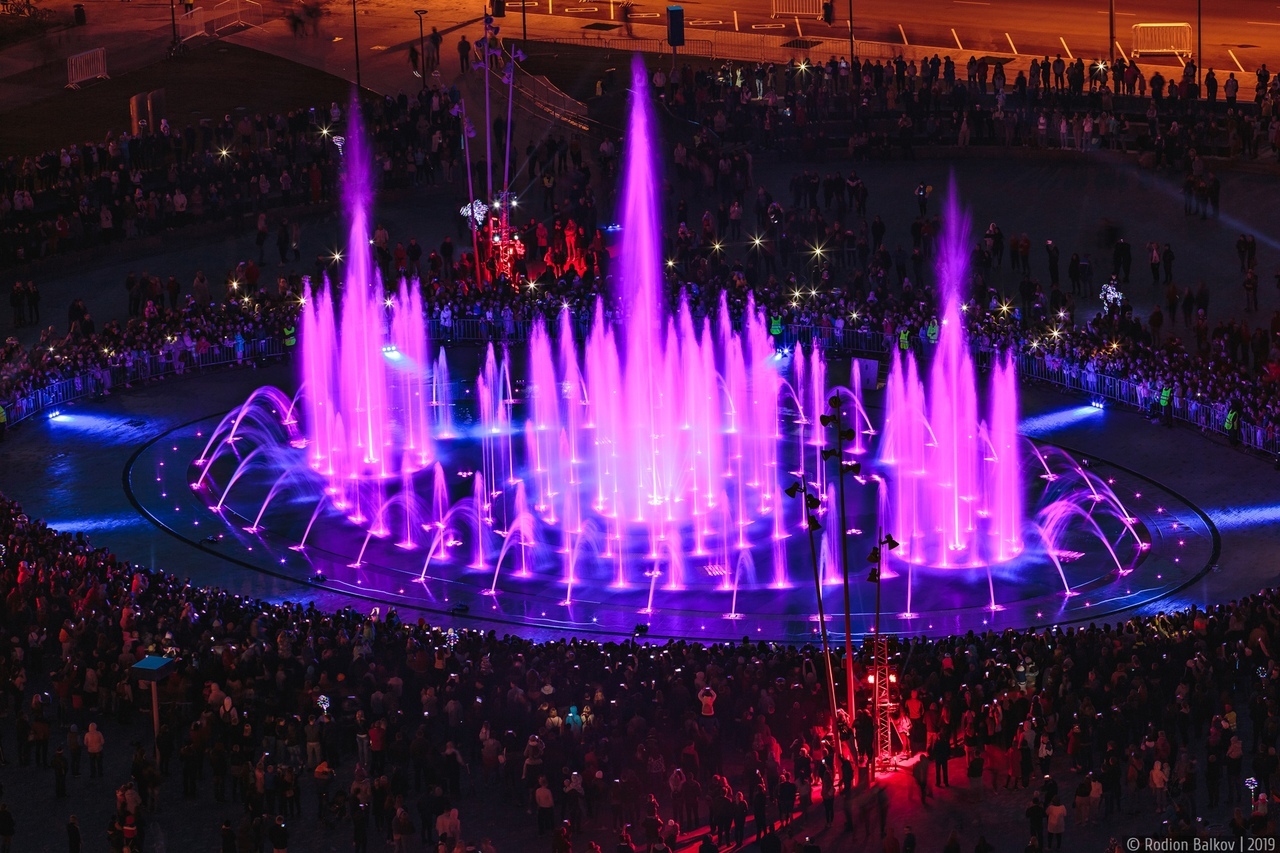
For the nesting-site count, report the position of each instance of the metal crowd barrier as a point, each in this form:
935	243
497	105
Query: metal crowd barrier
139	368
1208	417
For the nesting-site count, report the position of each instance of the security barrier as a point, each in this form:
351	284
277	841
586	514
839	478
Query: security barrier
796	9
191	24
1162	40
1081	379
90	65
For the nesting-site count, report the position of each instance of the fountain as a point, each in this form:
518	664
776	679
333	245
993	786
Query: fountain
639	471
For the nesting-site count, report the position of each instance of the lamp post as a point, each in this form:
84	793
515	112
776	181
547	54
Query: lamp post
1199	45
810	504
1111	32
355	38
422	54
843	435
853	50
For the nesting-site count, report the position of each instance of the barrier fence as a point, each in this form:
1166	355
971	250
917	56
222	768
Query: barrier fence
1142	396
191	24
138	367
795	8
90	65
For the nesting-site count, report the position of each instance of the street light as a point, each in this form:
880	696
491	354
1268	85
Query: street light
422	54
355	38
843	434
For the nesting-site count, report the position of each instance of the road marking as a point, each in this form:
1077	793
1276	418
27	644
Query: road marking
735	20
1121	49
1232	53
904	35
957	38
799	32
700	22
532	4
971	2
579	10
1064	47
1263	23
1011	44
645	15
1119	14
768	26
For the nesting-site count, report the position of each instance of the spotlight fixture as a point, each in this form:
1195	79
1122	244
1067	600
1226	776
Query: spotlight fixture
641	630
794	489
814	526
319	577
826	420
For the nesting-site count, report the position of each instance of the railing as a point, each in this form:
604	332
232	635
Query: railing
90	65
795	8
230	13
191	24
1205	416
142	367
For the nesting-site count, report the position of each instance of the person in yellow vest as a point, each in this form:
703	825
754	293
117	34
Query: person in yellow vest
904	339
775	329
1166	405
1231	424
290	340
932	331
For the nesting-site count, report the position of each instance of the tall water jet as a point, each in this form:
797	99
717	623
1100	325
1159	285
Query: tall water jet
955	479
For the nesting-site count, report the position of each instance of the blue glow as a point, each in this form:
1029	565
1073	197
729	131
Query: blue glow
89	525
1240	517
112	429
1050	422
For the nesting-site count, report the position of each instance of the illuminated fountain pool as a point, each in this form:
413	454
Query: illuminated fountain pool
647	472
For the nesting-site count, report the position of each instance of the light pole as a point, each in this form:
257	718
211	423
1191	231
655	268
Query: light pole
1111	33
843	435
422	54
355	38
853	50
810	504
1199	46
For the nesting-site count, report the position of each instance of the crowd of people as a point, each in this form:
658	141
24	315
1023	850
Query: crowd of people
295	720
873	110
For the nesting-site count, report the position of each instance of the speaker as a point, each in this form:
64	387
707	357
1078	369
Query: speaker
675	26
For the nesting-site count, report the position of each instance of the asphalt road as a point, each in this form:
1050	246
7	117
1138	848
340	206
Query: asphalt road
1248	28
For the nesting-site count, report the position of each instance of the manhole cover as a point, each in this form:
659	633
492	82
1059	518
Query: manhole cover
801	44
600	25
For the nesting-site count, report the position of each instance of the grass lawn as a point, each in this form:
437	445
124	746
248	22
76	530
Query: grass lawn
208	82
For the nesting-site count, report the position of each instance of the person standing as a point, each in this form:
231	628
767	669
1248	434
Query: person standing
94	742
1035	819
59	765
464	55
278	835
73	835
1055	823
7	828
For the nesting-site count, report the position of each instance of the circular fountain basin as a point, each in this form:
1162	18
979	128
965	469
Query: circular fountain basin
727	591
